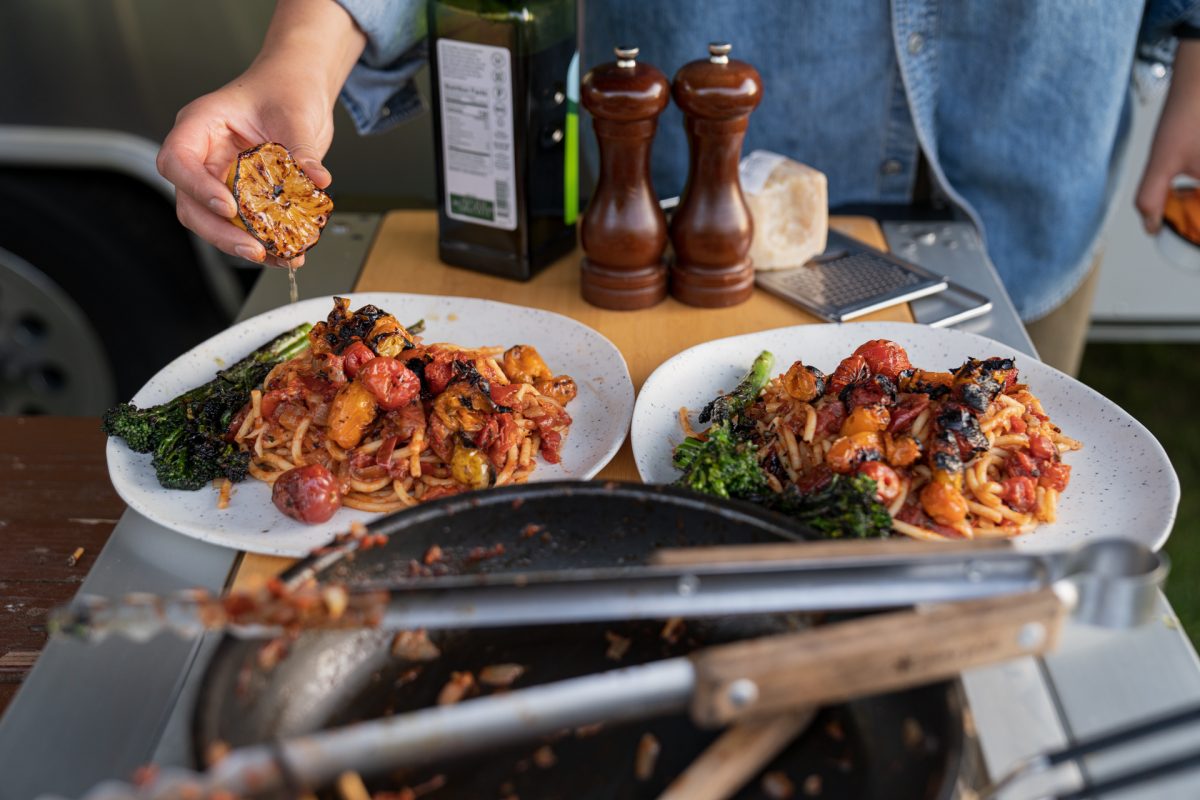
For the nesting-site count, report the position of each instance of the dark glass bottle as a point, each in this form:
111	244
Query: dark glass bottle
504	78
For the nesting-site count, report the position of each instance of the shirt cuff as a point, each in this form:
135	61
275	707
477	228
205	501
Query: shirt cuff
380	92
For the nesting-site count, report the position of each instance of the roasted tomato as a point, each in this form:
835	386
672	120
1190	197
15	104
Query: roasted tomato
1041	447
463	407
906	412
887	482
944	503
866	418
523	363
388	337
884	357
308	494
853	369
830	414
1019	493
393	384
352	410
561	388
470	467
848	452
354	356
1055	475
905	452
804	383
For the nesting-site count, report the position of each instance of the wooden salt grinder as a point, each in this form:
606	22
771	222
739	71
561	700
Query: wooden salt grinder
624	232
712	229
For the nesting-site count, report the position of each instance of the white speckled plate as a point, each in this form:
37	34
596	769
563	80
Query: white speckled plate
1122	484
600	412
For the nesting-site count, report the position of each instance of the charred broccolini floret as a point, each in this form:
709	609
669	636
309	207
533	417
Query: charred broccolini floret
187	434
722	464
845	509
725	464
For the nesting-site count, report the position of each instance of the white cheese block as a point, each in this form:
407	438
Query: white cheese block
789	203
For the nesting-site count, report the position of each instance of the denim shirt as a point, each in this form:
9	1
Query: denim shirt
1021	107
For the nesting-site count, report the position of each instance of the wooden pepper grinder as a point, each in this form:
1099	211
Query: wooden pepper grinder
624	232
712	228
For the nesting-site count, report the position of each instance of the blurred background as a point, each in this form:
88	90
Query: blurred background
88	230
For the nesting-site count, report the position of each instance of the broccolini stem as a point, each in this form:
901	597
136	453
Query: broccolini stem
730	405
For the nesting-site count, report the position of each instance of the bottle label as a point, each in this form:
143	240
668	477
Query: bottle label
475	83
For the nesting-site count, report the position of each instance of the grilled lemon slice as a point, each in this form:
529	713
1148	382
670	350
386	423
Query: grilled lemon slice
276	202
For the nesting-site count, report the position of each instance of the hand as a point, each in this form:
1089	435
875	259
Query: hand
286	96
1176	148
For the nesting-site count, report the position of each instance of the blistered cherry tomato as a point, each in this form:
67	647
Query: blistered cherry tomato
1041	447
887	482
309	494
884	357
393	384
1055	475
354	356
1019	492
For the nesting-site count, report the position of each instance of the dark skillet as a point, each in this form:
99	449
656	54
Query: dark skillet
904	745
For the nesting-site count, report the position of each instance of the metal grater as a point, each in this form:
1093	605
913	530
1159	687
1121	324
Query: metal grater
850	280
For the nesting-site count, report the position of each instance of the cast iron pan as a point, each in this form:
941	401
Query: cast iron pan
903	745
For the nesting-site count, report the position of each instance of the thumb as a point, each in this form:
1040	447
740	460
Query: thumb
1152	193
309	159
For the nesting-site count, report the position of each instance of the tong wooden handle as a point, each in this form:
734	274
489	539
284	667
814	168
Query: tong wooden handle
873	654
797	551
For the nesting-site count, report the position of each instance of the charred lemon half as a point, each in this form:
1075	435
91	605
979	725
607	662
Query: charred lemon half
276	202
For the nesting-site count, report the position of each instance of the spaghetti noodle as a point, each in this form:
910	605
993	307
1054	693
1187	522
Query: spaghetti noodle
394	421
954	455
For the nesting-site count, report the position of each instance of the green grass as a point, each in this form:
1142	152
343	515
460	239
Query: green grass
1155	382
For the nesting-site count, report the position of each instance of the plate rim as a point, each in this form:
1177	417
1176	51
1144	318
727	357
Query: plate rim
1174	489
624	393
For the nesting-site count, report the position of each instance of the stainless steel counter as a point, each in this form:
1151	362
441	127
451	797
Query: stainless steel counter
86	714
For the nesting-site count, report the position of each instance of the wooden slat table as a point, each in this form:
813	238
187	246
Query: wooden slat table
404	259
55	497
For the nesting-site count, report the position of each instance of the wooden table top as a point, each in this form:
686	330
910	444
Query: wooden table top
55	497
404	259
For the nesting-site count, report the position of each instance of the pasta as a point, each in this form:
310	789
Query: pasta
961	455
396	422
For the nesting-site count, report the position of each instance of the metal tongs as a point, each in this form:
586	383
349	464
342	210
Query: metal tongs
1109	582
995	605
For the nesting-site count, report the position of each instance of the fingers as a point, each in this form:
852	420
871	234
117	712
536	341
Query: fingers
295	263
182	161
224	235
1152	192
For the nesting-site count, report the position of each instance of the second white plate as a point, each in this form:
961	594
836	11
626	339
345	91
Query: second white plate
1122	483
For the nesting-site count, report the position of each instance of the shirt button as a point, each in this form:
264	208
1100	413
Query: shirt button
916	42
891	167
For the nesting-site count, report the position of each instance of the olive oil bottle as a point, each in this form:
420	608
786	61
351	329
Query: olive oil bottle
505	92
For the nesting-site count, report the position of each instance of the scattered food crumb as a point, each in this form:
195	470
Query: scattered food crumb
531	530
673	629
145	775
647	756
544	757
481	553
336	600
414	646
777	785
350	786
408	676
912	733
500	674
73	559
618	645
271	653
584	731
812	785
432	555
459	685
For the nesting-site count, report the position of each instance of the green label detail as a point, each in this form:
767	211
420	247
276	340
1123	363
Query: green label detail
473	207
